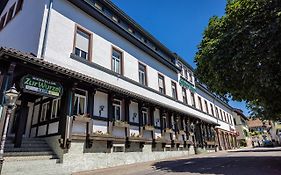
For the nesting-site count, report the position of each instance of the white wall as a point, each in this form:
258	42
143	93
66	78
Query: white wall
134	109
100	99
24	30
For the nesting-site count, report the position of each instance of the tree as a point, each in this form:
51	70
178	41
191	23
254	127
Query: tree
240	55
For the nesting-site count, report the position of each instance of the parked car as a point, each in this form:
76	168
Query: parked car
267	143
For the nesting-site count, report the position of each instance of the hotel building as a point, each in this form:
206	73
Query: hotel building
97	90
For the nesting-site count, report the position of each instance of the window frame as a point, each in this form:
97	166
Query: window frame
78	103
90	44
47	104
144	111
206	106
114	106
145	73
200	103
113	48
192	97
57	108
174	84
184	96
160	76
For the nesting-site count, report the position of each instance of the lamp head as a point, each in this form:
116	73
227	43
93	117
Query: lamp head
11	96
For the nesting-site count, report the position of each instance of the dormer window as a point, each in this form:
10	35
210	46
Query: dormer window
98	6
82	43
115	19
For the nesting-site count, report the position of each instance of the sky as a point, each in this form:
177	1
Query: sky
179	25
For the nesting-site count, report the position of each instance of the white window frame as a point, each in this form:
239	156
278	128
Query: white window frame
144	114
142	73
115	106
54	109
78	103
43	116
115	60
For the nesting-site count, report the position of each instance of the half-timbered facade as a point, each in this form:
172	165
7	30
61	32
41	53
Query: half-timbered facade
96	86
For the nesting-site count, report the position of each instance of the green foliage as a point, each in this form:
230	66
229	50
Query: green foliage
240	55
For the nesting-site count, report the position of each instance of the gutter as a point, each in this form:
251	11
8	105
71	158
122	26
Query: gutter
46	29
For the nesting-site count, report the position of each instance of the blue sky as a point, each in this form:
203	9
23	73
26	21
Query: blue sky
177	24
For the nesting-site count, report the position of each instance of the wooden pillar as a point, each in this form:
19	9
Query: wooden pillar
161	120
109	112
127	103
21	123
65	125
90	108
140	105
151	115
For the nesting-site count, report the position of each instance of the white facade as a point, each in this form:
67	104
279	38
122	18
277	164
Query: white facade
55	42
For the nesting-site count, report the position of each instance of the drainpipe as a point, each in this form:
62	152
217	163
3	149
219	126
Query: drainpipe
46	29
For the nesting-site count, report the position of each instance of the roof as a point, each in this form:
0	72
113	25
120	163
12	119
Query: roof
240	112
253	123
30	58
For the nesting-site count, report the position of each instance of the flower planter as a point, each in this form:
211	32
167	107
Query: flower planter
148	127
121	124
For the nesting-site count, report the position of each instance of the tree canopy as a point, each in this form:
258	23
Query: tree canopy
240	55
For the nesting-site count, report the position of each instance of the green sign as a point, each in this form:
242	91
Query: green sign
32	84
186	84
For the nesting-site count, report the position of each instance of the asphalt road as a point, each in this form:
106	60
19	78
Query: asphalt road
258	161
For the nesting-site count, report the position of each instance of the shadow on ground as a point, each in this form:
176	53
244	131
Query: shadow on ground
256	150
267	165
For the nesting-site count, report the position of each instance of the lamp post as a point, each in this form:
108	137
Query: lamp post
11	97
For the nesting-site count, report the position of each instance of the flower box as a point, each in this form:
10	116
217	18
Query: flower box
121	124
82	118
148	127
182	132
169	130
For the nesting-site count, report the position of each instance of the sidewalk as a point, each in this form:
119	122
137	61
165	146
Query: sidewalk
140	167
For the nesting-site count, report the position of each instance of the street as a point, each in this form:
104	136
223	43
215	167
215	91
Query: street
258	161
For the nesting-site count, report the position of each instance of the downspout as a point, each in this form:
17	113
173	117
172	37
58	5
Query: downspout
46	29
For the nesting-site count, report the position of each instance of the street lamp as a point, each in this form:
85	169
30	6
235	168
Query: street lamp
11	97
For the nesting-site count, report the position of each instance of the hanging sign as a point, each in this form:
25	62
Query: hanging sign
32	84
184	83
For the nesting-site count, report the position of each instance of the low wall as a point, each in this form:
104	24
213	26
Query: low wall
77	159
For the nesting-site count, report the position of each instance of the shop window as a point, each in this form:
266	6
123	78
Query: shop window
80	102
184	96
55	108
142	74
82	43
161	83
117	109
174	90
116	62
44	111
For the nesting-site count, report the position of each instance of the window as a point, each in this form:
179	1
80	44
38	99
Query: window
55	108
98	6
142	74
212	110
206	105
161	83
80	102
184	97
234	121
192	99
2	22
44	111
174	90
217	112
185	73
19	6
82	43
116	61
10	13
221	115
200	103
190	76
144	116
117	109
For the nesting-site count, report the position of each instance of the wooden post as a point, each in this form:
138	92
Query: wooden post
21	123
65	125
109	113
